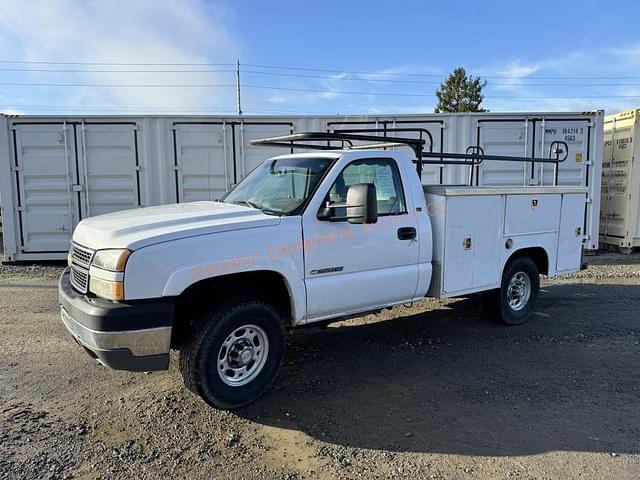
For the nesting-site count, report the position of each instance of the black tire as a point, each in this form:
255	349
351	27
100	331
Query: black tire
497	303
491	303
200	354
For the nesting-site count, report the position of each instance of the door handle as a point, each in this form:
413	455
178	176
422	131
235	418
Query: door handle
407	233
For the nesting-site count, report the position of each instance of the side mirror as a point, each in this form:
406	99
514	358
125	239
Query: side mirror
362	205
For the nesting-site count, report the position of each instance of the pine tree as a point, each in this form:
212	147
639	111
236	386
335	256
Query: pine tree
460	93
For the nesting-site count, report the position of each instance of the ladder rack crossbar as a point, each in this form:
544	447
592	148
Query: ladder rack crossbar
558	150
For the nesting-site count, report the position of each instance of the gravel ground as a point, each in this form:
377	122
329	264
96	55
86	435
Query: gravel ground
436	392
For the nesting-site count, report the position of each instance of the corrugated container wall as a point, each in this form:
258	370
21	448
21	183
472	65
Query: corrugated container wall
55	171
620	213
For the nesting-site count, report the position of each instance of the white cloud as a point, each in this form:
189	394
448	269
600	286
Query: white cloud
329	88
400	70
543	84
138	31
515	74
579	80
194	31
518	70
335	87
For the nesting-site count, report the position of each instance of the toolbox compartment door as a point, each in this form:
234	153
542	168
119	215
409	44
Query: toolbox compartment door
526	214
570	235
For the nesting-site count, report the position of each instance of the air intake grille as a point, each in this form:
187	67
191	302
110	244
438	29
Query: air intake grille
81	256
80	279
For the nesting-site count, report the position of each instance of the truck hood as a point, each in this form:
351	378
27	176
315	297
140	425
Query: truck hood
145	226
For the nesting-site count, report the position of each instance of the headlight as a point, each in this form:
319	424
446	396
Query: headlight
107	289
113	260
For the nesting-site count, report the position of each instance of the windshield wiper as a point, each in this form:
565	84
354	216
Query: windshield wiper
246	203
251	204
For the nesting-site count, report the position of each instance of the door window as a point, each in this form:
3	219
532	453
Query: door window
383	173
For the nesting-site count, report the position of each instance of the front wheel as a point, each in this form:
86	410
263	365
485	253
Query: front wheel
514	302
234	356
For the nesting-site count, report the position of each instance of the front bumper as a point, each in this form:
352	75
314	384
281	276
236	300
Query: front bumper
134	336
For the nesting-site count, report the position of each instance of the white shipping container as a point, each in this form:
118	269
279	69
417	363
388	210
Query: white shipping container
620	214
55	171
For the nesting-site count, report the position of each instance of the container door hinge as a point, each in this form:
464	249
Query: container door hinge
589	201
16	169
77	187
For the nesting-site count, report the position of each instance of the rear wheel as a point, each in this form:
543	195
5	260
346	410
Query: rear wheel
233	358
514	302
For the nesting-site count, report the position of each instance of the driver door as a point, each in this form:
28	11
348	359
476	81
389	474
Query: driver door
357	267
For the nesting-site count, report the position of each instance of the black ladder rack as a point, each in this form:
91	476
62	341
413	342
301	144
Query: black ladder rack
474	156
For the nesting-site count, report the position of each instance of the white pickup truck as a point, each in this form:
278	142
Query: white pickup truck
304	238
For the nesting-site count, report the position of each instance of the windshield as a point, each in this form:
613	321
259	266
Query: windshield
281	186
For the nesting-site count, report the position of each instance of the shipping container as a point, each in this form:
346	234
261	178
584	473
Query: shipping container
57	170
620	213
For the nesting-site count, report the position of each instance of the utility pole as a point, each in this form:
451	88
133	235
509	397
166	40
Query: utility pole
238	86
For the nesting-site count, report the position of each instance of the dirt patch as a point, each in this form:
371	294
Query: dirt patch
434	391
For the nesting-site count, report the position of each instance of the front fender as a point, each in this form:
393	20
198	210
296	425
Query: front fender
169	268
185	277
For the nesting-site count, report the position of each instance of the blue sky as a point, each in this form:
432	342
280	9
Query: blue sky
145	56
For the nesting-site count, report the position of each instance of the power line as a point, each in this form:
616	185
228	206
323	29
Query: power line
110	107
428	95
439	75
210	85
319	77
311	69
160	109
290	89
75	70
423	82
31	62
339	92
354	72
118	85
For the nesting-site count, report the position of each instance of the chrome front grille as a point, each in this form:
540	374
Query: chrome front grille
80	278
81	256
80	261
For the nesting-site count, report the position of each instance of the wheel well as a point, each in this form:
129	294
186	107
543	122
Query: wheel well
193	302
537	254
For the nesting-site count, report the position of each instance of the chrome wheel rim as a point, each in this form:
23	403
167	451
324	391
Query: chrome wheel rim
242	355
519	291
